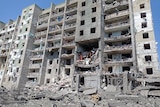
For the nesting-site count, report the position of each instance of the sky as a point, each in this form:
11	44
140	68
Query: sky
11	9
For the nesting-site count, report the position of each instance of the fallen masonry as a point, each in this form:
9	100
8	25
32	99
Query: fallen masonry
131	90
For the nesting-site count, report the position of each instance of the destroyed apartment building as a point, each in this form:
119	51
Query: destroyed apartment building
82	46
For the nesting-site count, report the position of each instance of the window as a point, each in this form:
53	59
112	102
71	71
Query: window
67	72
94	1
49	71
26	29
149	70
148	58
82	13
83	3
94	9
143	15
50	62
144	25
110	69
142	6
82	22
81	32
21	52
93	30
19	61
145	35
147	46
94	19
47	80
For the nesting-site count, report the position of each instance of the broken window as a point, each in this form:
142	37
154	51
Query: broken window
93	30
144	25
93	9
81	32
142	6
47	80
83	3
82	13
143	15
126	68
67	72
147	46
110	69
124	32
81	80
49	71
94	19
148	58
68	61
50	62
149	70
82	22
145	35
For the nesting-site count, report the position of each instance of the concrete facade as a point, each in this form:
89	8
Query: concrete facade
87	41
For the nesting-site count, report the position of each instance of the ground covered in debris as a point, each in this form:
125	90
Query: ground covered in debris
62	96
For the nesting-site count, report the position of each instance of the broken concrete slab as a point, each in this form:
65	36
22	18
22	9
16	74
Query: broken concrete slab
90	91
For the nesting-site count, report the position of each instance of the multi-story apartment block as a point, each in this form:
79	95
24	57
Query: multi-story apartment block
89	41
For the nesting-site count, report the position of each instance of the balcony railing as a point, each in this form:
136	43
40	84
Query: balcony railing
70	25
43	18
51	37
69	36
31	84
118	14
67	55
71	17
69	43
55	29
37	65
118	48
41	33
115	4
42	25
71	9
122	37
115	25
35	56
38	41
33	74
118	61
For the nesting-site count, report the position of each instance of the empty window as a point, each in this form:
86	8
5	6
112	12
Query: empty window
94	9
19	61
82	22
82	13
144	24
67	71
94	1
50	62
149	70
93	30
145	35
94	19
142	6
148	58
110	69
83	3
109	35
147	46
143	15
81	32
49	71
47	80
26	29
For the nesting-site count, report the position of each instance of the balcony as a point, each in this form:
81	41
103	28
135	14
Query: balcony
35	57
38	49
117	38
123	48
54	37
44	25
118	61
53	46
67	55
39	34
43	18
31	75
115	4
72	1
70	18
69	36
117	26
55	14
117	15
69	27
39	41
71	9
55	29
34	66
69	44
31	84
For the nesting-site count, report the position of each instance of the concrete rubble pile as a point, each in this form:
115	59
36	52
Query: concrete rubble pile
60	94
